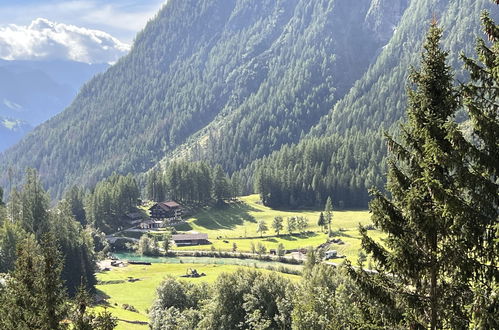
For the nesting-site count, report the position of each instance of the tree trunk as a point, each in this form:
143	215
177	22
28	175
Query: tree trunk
433	286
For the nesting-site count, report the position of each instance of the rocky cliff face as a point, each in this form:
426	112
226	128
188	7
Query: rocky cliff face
383	17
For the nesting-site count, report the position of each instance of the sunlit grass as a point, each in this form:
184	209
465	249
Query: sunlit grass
141	292
236	223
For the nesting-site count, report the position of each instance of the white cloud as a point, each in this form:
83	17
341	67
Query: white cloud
45	40
121	18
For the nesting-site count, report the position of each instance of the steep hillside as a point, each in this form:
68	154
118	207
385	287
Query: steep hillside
238	78
378	99
343	156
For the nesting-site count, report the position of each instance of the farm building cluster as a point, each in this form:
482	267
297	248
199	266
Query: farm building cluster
164	214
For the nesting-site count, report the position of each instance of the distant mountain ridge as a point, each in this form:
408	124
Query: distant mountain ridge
233	82
34	91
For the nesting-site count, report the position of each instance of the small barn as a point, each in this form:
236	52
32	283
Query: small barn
190	239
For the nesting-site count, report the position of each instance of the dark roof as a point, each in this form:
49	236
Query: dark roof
167	206
189	237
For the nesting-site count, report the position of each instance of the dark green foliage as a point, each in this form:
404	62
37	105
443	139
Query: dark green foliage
29	213
76	197
234	80
436	217
148	246
221	189
81	318
34	205
190	182
321	222
177	304
10	235
277	224
306	173
249	299
110	201
480	99
34	296
155	186
328	299
77	248
104	321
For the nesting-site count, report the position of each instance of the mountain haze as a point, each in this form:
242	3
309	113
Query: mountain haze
232	82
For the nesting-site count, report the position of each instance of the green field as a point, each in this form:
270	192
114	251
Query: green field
140	293
236	223
232	223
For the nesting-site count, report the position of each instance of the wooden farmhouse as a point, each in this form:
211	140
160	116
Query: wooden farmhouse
169	211
190	239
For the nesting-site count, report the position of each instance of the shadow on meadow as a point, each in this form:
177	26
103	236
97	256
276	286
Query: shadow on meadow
226	217
340	233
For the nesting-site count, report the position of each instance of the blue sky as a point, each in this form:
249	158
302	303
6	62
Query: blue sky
120	18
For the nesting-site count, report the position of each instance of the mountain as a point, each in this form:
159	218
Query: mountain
344	155
34	91
233	82
209	68
12	131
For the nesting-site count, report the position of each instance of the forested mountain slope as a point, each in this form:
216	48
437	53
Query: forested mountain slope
246	76
378	99
343	156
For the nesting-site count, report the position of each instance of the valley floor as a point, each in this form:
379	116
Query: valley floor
236	222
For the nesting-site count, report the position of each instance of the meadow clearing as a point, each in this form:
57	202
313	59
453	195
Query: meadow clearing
237	223
136	285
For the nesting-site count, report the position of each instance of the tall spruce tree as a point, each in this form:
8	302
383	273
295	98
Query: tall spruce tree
480	98
424	246
34	296
328	209
35	205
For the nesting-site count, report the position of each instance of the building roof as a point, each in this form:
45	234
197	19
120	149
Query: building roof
171	204
167	206
189	237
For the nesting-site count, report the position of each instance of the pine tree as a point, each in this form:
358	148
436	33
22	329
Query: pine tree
322	221
328	209
75	197
34	296
35	204
220	185
424	245
52	292
480	226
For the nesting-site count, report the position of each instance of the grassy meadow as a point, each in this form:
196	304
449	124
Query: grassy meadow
237	222
115	284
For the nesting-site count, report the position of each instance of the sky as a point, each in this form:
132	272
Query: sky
120	18
90	31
